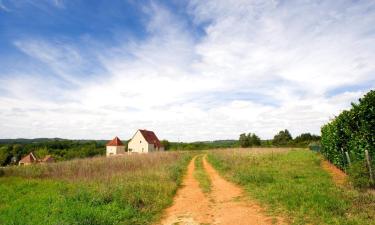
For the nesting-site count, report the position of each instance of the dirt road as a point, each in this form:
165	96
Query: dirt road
224	205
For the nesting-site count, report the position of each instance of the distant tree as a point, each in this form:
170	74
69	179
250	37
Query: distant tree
18	151
248	140
4	155
255	140
166	144
283	138
244	140
303	140
41	152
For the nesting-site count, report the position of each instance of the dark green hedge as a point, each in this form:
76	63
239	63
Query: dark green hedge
352	131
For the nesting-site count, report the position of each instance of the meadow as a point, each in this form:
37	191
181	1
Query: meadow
293	184
133	189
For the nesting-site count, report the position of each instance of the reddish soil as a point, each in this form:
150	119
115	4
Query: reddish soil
224	205
190	205
338	176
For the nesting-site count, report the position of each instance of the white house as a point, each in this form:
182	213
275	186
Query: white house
115	147
144	141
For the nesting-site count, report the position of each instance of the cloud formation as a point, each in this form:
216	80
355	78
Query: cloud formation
256	67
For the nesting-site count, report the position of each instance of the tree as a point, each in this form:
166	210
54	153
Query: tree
303	140
244	140
4	155
283	138
248	140
166	144
255	140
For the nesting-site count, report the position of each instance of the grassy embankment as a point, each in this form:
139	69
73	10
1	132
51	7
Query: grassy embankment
201	176
125	190
294	185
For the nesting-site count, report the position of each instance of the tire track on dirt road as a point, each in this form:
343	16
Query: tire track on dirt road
190	205
231	206
224	205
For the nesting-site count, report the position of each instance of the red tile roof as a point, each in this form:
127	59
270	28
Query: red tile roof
115	142
30	158
151	138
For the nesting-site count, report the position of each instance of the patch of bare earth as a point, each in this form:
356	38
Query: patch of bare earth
224	205
338	176
230	207
190	205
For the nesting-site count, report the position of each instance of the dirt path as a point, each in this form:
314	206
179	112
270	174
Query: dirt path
190	205
225	205
338	176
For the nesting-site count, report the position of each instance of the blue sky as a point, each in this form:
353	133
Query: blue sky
189	70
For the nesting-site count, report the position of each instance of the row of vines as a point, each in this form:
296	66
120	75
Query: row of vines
345	139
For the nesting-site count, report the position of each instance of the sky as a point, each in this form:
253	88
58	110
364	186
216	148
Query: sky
188	70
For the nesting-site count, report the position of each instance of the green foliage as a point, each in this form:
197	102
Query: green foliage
166	144
201	145
283	138
4	155
305	139
358	175
249	140
59	149
294	184
352	131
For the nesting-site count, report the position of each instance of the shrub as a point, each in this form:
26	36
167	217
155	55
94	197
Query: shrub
358	175
352	131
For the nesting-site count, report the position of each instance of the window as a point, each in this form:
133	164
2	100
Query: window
140	141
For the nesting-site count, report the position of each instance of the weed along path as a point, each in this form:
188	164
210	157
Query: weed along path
223	205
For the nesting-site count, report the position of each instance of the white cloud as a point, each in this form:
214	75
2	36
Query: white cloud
261	67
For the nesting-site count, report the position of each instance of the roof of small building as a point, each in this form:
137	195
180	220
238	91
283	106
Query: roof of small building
48	158
29	158
151	138
115	142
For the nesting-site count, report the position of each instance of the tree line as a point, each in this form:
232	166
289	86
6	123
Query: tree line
60	149
12	150
282	139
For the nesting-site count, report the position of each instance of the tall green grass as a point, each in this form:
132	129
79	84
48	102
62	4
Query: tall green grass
201	176
293	184
125	190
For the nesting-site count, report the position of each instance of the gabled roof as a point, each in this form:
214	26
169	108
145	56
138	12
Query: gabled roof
30	158
48	158
115	142
151	138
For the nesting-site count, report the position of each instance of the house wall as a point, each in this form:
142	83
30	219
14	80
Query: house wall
151	148
114	150
138	143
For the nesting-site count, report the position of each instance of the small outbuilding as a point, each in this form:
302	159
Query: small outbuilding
144	141
115	147
48	159
28	159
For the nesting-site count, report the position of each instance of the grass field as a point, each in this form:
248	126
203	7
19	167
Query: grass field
124	190
293	184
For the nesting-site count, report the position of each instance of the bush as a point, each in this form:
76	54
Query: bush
358	175
352	132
